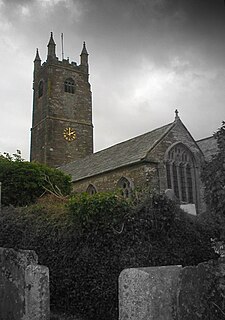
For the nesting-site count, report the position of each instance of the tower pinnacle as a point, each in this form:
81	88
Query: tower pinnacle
37	57
51	47
62	129
37	61
84	50
84	56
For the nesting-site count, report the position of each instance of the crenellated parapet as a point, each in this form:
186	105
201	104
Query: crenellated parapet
62	129
52	59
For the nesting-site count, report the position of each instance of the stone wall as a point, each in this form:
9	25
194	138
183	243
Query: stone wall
173	292
141	175
180	134
57	110
24	286
150	173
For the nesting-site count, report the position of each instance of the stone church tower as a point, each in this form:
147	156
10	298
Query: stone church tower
62	129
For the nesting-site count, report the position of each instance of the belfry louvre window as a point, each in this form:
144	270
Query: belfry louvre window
69	85
180	172
40	89
126	187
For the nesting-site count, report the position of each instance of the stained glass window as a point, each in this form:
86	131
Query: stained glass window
181	173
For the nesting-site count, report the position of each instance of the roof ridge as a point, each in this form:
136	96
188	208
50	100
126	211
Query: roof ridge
140	135
210	137
190	135
170	126
124	153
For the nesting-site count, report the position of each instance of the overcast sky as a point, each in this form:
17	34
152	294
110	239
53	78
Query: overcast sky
146	57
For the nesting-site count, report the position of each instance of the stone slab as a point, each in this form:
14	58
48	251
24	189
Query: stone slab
24	286
37	292
189	208
148	293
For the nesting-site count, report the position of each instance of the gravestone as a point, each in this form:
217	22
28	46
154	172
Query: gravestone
24	286
148	293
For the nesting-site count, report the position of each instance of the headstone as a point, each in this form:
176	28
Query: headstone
24	286
148	293
189	208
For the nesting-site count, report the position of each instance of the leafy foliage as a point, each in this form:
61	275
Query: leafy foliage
214	179
23	182
103	210
88	241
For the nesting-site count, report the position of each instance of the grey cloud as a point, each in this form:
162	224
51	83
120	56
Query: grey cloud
16	2
126	40
160	28
131	30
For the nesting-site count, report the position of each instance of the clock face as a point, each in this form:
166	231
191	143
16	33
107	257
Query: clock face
69	134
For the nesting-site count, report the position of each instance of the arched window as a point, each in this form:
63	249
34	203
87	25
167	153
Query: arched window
40	89
69	85
180	172
91	189
126	187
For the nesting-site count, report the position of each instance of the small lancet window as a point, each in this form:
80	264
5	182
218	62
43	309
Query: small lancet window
91	189
126	187
40	89
69	85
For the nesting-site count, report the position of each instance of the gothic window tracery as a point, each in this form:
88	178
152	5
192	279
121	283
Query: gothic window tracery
180	172
69	85
126	187
91	189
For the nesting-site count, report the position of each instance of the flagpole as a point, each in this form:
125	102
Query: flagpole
62	46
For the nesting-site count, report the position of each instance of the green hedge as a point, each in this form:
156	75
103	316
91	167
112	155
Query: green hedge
23	182
90	240
213	177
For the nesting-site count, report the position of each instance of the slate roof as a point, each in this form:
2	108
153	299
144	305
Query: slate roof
208	146
125	153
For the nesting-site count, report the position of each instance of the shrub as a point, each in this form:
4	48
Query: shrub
87	242
23	182
99	211
213	176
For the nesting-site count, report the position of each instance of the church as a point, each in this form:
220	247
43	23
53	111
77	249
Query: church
166	158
